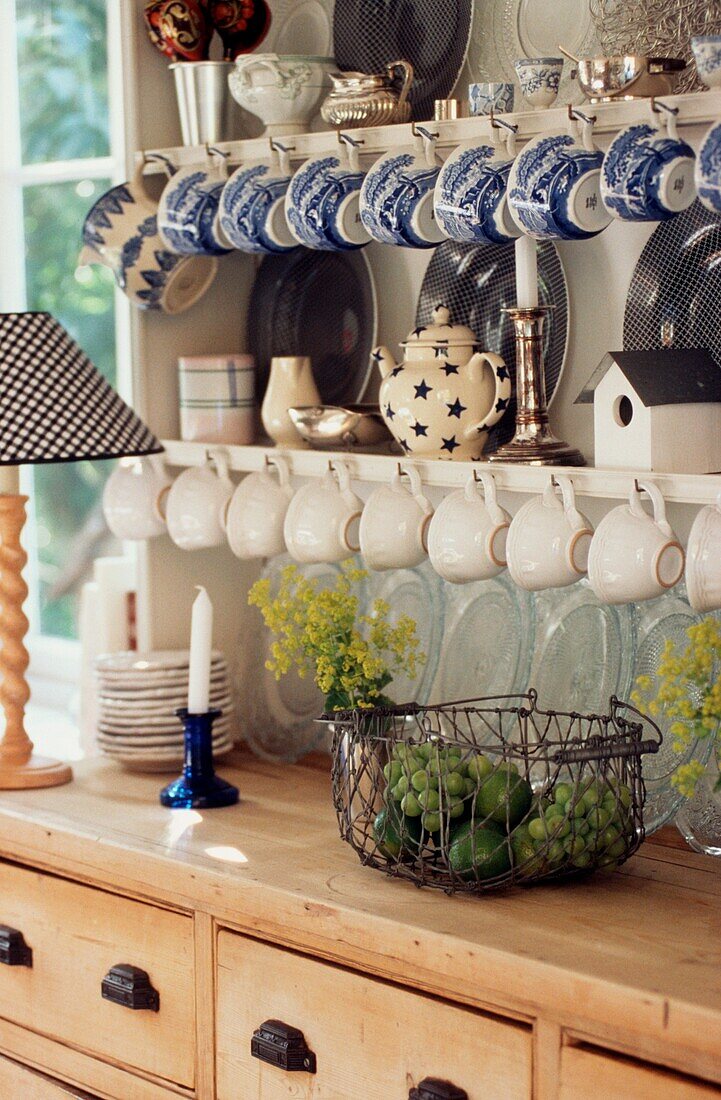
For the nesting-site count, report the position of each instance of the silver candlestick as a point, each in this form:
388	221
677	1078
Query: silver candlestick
534	443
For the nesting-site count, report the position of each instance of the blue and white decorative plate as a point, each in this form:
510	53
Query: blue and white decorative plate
478	282
251	212
708	170
432	34
647	175
554	189
674	298
470	197
322	205
396	202
320	304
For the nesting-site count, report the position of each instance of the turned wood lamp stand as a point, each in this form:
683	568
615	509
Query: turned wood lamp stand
55	406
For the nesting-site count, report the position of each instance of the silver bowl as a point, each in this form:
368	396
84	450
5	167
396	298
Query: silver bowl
336	427
628	76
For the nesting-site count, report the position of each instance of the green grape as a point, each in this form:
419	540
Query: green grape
560	827
609	836
401	788
624	797
392	772
562	794
537	828
456	808
598	817
431	822
577	809
455	783
479	766
429	799
582	828
410	805
573	846
434	765
582	860
592	795
470	787
555	851
419	780
617	849
424	750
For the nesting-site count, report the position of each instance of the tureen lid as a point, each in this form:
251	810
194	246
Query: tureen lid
440	331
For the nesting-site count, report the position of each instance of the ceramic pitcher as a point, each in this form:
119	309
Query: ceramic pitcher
290	384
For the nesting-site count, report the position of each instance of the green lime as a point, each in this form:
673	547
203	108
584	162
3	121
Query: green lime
504	797
396	835
481	852
410	805
479	766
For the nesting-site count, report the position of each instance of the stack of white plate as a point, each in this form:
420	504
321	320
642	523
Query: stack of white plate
138	695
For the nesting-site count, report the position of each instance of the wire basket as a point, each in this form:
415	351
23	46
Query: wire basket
481	793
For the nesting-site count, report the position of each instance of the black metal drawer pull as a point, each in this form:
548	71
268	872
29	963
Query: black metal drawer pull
430	1088
131	987
13	949
280	1045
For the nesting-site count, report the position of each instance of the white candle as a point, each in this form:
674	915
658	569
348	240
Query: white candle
201	644
526	273
10	480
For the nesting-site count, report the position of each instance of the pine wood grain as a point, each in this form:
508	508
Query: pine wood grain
590	1074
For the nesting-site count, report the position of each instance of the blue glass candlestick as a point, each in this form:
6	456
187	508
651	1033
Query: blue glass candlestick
198	788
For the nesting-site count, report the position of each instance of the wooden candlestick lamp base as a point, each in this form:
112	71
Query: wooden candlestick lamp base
19	766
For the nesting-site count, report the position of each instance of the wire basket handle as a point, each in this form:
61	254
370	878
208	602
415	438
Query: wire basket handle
627	743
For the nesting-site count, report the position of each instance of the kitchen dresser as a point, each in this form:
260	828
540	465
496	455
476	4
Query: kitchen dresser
608	987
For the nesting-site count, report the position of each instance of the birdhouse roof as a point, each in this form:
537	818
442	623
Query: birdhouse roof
665	376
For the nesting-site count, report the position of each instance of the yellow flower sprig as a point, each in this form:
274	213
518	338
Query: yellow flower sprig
688	691
353	657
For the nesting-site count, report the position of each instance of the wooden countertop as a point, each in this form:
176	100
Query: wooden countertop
637	951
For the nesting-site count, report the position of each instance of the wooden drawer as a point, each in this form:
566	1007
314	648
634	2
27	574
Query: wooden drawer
372	1041
76	935
18	1081
588	1073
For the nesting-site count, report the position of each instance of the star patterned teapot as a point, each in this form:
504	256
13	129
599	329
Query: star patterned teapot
441	401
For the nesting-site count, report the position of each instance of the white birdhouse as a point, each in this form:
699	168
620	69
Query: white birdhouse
656	410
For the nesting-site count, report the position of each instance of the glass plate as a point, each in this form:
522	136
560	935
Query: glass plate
504	30
477	282
658	620
432	34
584	650
418	593
321	304
488	641
675	292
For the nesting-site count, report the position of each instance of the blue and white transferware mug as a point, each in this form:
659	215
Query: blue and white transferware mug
252	212
647	173
708	170
396	200
539	78
707	55
554	186
496	96
188	210
121	232
471	197
322	204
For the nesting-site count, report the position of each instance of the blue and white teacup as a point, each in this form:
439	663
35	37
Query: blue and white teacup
322	204
707	54
554	189
539	78
496	96
121	232
647	173
188	210
396	200
471	197
708	170
252	212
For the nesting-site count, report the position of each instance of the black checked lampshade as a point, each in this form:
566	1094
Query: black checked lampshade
55	406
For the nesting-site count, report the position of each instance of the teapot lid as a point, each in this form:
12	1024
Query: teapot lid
440	331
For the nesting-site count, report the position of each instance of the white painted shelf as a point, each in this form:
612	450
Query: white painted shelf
695	108
587	481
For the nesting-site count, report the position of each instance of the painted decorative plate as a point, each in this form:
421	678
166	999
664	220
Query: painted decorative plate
659	620
488	640
321	304
432	34
584	650
477	282
504	30
675	293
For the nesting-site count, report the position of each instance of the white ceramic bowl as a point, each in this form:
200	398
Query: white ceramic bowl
283	90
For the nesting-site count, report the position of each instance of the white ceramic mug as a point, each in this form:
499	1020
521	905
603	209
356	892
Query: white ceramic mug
703	559
467	535
321	524
134	498
394	524
217	398
549	539
197	502
256	512
635	556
